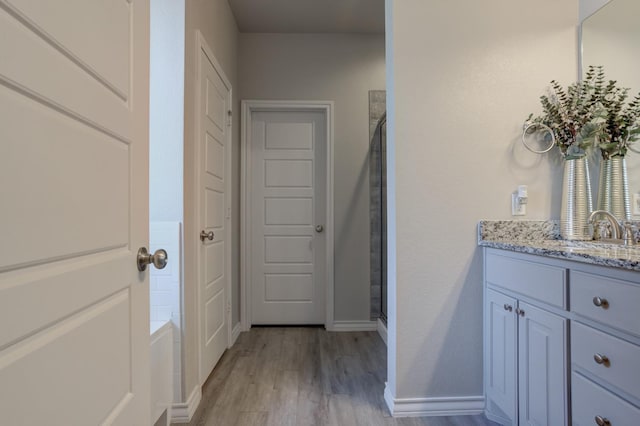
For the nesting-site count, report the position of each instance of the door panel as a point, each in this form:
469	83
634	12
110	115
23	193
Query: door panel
74	348
500	361
288	169
288	211
101	104
289	136
288	174
98	39
53	222
542	372
214	134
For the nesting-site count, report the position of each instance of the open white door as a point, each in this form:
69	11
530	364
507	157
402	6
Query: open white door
214	203
74	340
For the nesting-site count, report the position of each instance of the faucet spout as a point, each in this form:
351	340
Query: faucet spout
616	229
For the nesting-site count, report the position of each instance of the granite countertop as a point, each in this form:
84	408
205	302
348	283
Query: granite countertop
542	238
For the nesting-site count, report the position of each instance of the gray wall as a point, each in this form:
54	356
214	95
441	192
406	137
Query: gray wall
341	68
462	77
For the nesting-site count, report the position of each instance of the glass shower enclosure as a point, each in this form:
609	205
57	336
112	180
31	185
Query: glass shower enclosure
378	220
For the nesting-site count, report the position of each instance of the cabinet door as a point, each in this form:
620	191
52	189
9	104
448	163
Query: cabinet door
500	357
542	371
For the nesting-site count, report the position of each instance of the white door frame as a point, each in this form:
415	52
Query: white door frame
249	106
201	45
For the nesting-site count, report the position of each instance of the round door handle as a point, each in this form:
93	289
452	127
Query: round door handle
319	228
158	259
508	307
602	421
204	235
601	359
520	312
601	302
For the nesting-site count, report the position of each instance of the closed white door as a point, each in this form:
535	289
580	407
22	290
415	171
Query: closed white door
214	204
74	310
288	211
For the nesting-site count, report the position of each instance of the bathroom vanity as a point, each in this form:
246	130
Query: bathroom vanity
561	328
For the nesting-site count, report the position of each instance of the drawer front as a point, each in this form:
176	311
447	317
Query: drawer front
619	360
589	400
618	300
541	282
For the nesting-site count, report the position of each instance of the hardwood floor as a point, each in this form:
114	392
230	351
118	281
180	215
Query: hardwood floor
304	376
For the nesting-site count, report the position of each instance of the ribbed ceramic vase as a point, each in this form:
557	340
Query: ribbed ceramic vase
576	200
613	188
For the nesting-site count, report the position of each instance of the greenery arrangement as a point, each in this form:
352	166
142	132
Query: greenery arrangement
591	114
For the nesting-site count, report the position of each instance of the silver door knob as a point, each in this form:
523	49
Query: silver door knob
508	307
204	235
319	228
158	259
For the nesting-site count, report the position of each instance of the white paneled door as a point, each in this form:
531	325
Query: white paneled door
288	216
214	206
74	315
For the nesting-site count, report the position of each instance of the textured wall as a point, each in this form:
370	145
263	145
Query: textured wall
462	77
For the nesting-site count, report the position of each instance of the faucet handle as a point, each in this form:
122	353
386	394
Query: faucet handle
601	230
628	233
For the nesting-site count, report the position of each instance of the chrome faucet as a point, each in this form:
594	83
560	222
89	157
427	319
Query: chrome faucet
616	229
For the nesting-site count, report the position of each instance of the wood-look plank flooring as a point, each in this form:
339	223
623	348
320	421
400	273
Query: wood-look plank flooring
279	376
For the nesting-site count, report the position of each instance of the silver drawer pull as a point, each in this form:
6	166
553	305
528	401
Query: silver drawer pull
601	359
602	421
508	307
600	302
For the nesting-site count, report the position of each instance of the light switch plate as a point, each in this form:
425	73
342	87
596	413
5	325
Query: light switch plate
517	209
636	204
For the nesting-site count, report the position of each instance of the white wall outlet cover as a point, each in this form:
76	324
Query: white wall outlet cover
636	204
517	209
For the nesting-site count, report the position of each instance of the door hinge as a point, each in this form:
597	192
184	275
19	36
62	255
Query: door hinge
230	115
228	307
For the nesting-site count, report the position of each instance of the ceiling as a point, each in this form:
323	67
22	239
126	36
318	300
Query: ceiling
309	16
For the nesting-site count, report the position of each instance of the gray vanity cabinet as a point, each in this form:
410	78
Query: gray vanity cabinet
525	341
605	348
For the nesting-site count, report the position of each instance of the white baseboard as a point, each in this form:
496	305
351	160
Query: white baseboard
382	330
354	326
235	332
182	412
441	406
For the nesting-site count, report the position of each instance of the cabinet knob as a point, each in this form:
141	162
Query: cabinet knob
601	359
520	312
601	302
508	307
602	421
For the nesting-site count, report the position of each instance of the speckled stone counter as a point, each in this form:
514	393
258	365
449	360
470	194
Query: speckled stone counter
542	238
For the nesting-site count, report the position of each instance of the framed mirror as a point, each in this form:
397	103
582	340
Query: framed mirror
610	36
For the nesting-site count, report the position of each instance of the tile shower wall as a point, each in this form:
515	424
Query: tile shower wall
165	288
